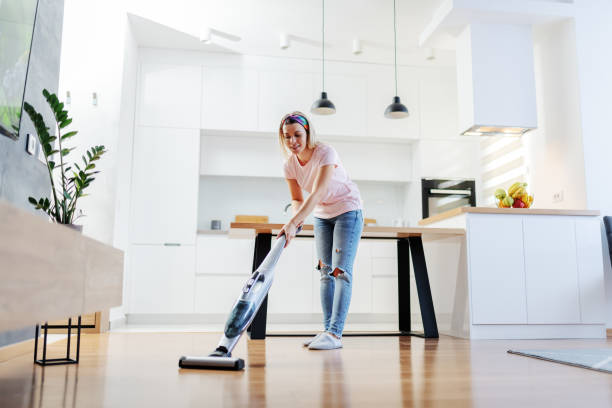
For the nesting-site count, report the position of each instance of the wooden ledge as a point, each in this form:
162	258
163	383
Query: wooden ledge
49	272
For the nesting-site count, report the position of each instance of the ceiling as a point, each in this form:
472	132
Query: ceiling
259	23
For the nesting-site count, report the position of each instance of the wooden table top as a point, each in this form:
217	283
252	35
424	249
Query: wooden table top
246	228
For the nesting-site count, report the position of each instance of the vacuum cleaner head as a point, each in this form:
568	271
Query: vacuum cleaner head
210	362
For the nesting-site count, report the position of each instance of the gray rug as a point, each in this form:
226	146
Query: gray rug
593	359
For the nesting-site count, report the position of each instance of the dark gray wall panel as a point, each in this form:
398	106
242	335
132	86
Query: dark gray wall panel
22	175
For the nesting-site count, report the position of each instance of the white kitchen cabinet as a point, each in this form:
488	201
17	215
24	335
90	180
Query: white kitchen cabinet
169	95
361	299
220	255
281	92
162	279
292	290
384	276
550	256
384	294
216	294
223	264
230	99
590	270
497	274
164	186
349	95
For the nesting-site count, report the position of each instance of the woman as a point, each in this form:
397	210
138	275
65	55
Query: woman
338	221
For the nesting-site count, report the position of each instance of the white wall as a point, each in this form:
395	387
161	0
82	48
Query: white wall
223	197
92	60
593	34
554	150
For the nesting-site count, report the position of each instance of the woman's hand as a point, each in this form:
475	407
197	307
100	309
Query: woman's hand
289	230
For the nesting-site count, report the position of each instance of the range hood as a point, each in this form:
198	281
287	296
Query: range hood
496	80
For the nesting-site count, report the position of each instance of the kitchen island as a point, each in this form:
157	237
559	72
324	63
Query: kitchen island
527	273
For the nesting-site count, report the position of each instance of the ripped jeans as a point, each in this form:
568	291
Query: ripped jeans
337	239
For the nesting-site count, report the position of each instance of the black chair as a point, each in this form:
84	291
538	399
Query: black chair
608	224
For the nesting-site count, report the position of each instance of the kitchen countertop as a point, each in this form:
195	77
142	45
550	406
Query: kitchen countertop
213	232
491	210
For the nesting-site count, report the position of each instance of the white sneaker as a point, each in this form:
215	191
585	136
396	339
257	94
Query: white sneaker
307	342
325	342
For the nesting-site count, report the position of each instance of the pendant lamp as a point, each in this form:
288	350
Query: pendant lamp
397	110
323	106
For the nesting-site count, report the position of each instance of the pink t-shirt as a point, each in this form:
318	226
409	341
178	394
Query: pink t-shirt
342	194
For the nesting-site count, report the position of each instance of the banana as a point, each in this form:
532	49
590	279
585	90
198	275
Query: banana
512	191
518	193
514	187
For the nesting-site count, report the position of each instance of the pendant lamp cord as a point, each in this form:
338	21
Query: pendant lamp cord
323	45
395	47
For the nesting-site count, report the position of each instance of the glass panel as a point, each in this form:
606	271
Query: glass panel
16	26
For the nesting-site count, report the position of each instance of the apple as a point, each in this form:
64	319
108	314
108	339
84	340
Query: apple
518	203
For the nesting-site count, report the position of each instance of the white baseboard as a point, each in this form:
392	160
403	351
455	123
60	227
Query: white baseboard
217	318
117	322
538	331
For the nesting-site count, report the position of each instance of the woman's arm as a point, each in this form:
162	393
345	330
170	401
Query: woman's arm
297	199
319	190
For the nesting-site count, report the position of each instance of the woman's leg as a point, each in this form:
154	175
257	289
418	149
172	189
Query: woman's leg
347	234
324	232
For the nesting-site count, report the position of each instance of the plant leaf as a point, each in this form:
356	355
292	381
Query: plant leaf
65	123
69	134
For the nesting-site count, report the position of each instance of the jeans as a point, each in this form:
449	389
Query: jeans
337	239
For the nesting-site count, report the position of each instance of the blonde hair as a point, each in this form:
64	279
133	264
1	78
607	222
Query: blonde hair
311	141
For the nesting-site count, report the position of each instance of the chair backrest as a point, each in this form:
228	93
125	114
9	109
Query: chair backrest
608	224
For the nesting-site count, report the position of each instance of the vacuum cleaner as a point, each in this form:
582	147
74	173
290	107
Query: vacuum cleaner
243	312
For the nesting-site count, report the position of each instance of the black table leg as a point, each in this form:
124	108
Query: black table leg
403	285
257	329
421	279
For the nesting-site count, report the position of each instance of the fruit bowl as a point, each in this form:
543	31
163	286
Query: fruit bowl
516	197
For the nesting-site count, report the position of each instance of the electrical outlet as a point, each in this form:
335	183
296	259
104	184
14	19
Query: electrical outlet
558	196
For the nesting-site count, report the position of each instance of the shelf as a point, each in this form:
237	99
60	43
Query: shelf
321	137
280	178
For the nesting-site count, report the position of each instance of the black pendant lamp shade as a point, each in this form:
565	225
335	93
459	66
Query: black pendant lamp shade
397	110
323	106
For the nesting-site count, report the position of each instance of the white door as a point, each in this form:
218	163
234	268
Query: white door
169	95
496	273
162	279
164	186
551	270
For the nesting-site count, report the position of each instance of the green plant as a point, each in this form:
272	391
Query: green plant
62	206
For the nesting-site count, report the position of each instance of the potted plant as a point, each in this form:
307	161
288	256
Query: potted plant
72	179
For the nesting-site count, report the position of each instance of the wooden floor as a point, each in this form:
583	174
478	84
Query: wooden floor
140	370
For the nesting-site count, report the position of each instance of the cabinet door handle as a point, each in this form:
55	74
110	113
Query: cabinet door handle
171	244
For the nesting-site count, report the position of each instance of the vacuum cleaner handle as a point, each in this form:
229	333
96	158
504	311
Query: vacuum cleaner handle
284	238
